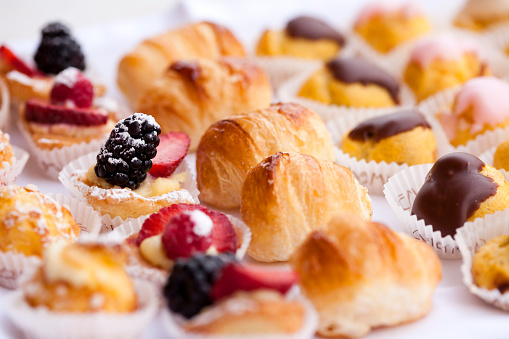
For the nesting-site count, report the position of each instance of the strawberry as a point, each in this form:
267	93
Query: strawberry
39	111
241	277
71	84
170	153
224	237
12	61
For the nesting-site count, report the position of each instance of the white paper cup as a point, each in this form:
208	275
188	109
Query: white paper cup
69	178
373	175
469	239
9	174
41	323
5	105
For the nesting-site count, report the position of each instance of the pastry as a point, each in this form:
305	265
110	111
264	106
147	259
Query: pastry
481	104
404	138
303	37
479	15
139	68
192	95
361	275
490	267
31	221
386	24
129	180
288	195
6	152
353	83
441	62
219	296
231	147
501	157
460	188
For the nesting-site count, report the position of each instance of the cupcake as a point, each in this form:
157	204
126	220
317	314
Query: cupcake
441	62
385	25
478	15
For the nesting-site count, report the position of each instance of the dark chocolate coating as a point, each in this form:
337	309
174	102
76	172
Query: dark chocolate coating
312	29
388	125
454	189
349	71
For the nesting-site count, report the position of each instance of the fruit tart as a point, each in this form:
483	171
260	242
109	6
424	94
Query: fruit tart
82	291
135	173
216	297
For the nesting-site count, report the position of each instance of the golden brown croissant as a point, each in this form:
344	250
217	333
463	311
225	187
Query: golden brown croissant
231	147
288	195
360	275
138	69
192	95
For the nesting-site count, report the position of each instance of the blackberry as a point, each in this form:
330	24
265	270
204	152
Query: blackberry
58	50
125	158
188	287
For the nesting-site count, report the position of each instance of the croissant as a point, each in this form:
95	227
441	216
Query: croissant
192	95
148	60
288	195
360	275
230	147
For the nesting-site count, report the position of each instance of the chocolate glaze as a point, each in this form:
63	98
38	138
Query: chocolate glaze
354	70
454	189
386	126
312	29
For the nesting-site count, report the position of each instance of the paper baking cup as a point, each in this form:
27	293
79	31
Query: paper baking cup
41	323
5	105
442	102
10	173
82	164
373	175
172	324
156	275
288	92
469	239
400	192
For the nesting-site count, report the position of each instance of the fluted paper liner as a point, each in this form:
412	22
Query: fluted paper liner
159	276
13	265
288	92
41	323
373	175
9	174
172	324
470	238
5	105
281	68
83	163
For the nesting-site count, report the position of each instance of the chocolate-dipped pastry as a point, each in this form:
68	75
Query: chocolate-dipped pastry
349	71
312	29
453	191
387	126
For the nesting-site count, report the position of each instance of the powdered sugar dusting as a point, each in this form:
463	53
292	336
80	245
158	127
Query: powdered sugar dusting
68	77
202	223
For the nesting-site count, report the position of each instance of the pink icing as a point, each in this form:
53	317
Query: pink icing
382	8
443	47
489	99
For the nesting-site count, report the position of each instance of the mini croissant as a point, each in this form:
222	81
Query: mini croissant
231	147
361	275
288	195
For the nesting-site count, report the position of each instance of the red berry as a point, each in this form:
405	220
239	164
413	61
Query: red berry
241	277
71	84
224	237
171	151
14	62
39	111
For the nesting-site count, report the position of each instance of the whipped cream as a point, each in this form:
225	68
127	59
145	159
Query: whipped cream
202	223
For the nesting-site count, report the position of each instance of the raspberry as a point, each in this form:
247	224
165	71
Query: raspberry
70	84
58	50
190	283
125	158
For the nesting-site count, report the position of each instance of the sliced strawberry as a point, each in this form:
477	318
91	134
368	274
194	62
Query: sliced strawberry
14	62
224	237
241	277
71	85
171	151
39	111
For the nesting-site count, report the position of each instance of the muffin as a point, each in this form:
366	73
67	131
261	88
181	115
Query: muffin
460	188
481	104
303	37
352	83
403	137
490	267
441	62
479	15
385	25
